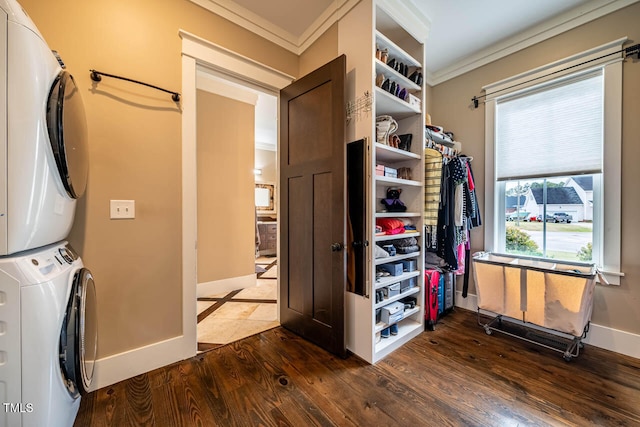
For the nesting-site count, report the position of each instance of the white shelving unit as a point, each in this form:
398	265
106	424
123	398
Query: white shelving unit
393	26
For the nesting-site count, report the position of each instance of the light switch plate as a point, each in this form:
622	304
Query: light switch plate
123	209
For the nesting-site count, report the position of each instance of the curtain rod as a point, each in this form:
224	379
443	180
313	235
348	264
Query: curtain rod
96	77
629	51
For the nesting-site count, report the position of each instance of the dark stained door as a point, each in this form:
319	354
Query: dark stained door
312	206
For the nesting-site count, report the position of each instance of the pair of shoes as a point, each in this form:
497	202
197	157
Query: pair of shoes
393	329
379	295
398	66
416	77
385	333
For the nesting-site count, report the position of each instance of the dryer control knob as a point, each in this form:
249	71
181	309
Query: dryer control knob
67	255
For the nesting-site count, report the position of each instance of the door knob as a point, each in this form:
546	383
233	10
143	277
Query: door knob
336	247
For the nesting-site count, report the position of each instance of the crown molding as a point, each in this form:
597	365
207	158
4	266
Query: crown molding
250	21
412	19
550	28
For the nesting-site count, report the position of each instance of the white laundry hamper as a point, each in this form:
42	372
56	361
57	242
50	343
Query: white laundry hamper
555	296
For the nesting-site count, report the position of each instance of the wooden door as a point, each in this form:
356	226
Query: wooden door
312	206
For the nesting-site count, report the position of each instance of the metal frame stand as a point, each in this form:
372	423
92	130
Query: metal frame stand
568	345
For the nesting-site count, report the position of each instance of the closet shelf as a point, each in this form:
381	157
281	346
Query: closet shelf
395	258
395	51
386	237
382	68
393	106
386	180
381	325
386	153
390	280
438	138
397	214
408	292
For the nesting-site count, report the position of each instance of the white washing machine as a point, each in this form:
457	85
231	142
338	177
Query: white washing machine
48	336
43	138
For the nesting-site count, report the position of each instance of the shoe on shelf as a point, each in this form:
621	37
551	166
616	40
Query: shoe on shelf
393	329
385	333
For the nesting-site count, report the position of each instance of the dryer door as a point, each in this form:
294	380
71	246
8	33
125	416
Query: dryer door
67	128
79	335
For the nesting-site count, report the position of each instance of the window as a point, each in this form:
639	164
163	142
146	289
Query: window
553	159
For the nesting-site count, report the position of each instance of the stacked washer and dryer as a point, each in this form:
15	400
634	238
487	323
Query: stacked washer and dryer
48	326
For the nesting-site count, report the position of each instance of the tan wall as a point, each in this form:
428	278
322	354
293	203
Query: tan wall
266	160
135	150
226	208
320	52
615	307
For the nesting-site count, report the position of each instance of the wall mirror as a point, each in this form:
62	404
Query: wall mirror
265	198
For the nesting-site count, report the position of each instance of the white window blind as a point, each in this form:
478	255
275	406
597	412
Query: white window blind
556	130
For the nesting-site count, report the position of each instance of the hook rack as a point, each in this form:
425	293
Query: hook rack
96	76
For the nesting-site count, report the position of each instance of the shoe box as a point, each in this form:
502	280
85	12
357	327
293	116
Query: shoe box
393	268
392	313
407	284
409	265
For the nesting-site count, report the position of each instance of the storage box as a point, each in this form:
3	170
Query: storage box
394	268
392	313
380	170
394	289
407	284
409	265
390	172
415	101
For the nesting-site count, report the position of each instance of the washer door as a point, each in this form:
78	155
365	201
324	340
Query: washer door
79	334
67	128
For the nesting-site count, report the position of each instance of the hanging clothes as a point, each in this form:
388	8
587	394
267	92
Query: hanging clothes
432	185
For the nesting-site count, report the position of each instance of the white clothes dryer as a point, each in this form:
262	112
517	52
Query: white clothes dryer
43	138
48	338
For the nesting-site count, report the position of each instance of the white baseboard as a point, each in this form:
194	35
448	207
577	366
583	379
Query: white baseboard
128	364
599	336
226	285
118	367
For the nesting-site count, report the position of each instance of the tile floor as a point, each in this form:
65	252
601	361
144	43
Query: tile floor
231	316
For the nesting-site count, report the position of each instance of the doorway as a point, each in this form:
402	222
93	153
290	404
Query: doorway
236	151
201	53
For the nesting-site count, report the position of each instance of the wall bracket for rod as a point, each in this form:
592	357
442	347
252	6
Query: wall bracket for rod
96	76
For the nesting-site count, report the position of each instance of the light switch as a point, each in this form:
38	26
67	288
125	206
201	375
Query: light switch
123	209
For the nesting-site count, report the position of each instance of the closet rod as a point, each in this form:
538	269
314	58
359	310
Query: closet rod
96	77
629	51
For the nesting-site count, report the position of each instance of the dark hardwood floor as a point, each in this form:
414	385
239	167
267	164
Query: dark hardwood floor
455	375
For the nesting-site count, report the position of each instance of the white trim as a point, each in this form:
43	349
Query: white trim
209	83
198	53
411	18
612	182
189	213
227	62
250	21
118	367
225	285
599	336
550	28
610	236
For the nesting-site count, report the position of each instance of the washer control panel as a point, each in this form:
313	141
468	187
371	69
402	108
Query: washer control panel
43	264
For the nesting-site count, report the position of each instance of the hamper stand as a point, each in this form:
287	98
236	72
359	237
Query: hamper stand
568	345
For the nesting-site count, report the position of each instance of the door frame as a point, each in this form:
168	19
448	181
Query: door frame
200	52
